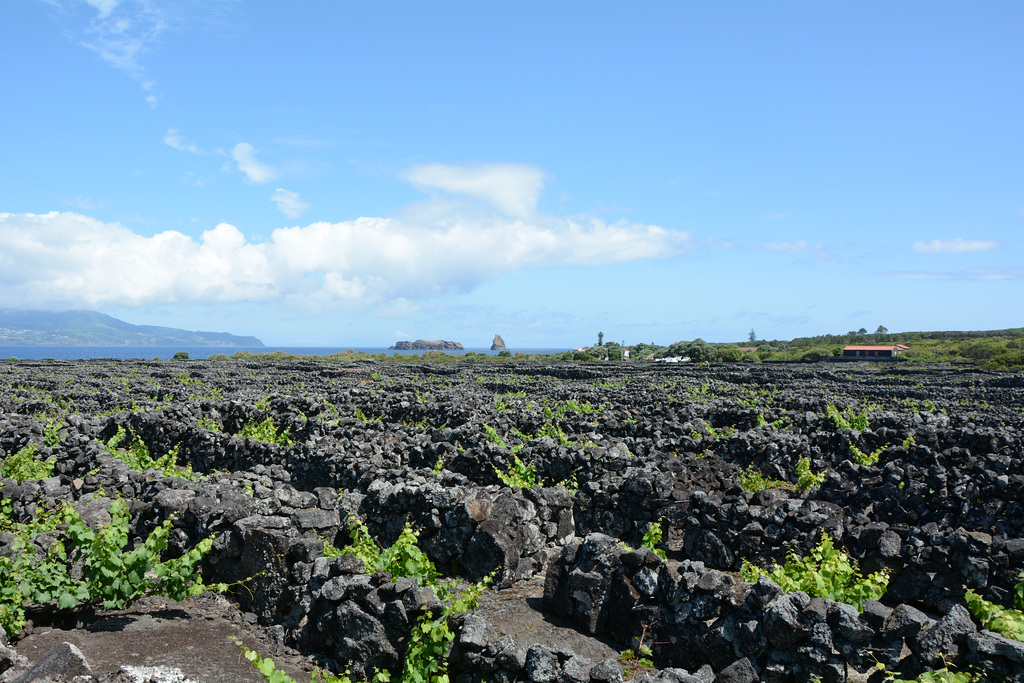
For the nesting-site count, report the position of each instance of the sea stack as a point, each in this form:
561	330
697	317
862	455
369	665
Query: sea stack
498	344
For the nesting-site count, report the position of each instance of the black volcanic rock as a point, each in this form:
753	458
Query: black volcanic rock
615	449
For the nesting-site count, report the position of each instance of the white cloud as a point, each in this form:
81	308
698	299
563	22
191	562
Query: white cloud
789	247
511	188
255	170
289	203
173	139
955	246
71	259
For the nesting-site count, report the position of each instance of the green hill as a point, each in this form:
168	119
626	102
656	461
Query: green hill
90	328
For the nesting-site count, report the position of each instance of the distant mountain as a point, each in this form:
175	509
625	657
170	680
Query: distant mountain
90	328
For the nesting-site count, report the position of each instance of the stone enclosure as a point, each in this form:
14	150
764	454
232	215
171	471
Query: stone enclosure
615	448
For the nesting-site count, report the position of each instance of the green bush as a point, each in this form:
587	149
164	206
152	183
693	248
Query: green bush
805	478
848	419
825	573
137	456
403	558
1002	620
753	481
518	475
24	465
266	431
652	538
110	576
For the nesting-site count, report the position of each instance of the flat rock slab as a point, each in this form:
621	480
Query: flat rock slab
517	612
184	636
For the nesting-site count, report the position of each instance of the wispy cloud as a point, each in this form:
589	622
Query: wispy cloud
82	202
120	33
123	32
511	188
389	264
976	274
789	247
173	139
954	246
289	203
255	170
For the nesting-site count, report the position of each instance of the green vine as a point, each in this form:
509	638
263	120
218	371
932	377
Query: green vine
825	573
136	456
110	576
24	465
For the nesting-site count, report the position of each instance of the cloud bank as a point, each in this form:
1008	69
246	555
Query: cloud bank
73	259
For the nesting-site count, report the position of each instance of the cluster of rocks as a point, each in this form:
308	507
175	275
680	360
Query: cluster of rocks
637	445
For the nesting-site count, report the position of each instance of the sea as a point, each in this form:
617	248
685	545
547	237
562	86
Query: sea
55	352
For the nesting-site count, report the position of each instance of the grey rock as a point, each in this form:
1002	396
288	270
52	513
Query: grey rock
541	664
783	625
989	643
64	660
576	670
493	546
945	638
875	613
606	671
174	500
475	633
316	518
11	659
905	622
740	671
849	628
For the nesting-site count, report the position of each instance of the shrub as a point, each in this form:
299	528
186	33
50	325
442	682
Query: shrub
753	481
110	576
518	475
805	478
848	419
403	558
863	458
266	431
1002	620
825	573
137	456
652	538
25	465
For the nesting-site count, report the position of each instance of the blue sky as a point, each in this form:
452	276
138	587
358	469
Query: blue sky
354	173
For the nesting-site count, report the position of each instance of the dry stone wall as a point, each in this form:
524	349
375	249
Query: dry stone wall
637	445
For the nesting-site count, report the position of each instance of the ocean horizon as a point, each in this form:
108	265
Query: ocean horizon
128	351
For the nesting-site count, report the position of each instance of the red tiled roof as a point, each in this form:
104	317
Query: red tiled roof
889	347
